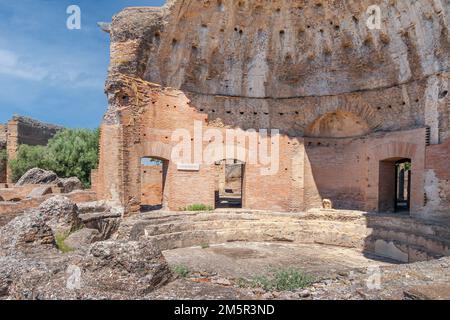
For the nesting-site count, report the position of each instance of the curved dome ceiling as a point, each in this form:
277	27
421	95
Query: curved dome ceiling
284	48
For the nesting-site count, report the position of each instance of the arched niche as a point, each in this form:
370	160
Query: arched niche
337	124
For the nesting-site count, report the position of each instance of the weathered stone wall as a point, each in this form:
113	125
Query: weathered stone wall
280	48
344	98
23	130
3	164
2	134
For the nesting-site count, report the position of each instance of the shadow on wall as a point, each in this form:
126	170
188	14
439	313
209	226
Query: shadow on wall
406	239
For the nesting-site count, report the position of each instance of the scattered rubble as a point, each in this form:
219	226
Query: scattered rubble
38	176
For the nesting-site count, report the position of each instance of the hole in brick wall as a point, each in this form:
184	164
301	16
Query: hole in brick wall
213	111
201	110
443	94
337	27
229	112
266	113
389	106
241	112
255	113
281	113
403	103
296	112
355	19
379	108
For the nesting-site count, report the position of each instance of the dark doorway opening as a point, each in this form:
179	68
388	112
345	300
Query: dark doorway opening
153	183
403	185
229	184
394	190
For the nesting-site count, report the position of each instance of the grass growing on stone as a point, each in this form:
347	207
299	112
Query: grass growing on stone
205	245
280	280
181	270
199	207
60	244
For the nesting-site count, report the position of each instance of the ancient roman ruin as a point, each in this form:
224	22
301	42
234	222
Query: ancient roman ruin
304	132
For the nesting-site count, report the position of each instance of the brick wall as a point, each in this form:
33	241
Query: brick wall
345	170
152	185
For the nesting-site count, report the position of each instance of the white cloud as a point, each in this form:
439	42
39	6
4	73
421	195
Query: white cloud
12	65
57	74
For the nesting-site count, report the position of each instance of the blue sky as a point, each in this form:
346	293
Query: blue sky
49	72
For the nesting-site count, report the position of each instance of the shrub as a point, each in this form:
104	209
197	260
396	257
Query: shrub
70	153
181	271
281	280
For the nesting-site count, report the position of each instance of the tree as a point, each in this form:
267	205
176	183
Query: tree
70	153
3	158
28	157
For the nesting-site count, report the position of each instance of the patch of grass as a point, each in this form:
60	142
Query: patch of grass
60	239
181	270
205	245
280	280
199	207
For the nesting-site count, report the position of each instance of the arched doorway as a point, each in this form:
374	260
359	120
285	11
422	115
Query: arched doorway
153	183
229	191
395	185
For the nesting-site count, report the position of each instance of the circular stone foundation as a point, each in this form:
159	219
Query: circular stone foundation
400	238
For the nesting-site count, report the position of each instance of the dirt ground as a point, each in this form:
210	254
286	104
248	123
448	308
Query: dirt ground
214	271
245	260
